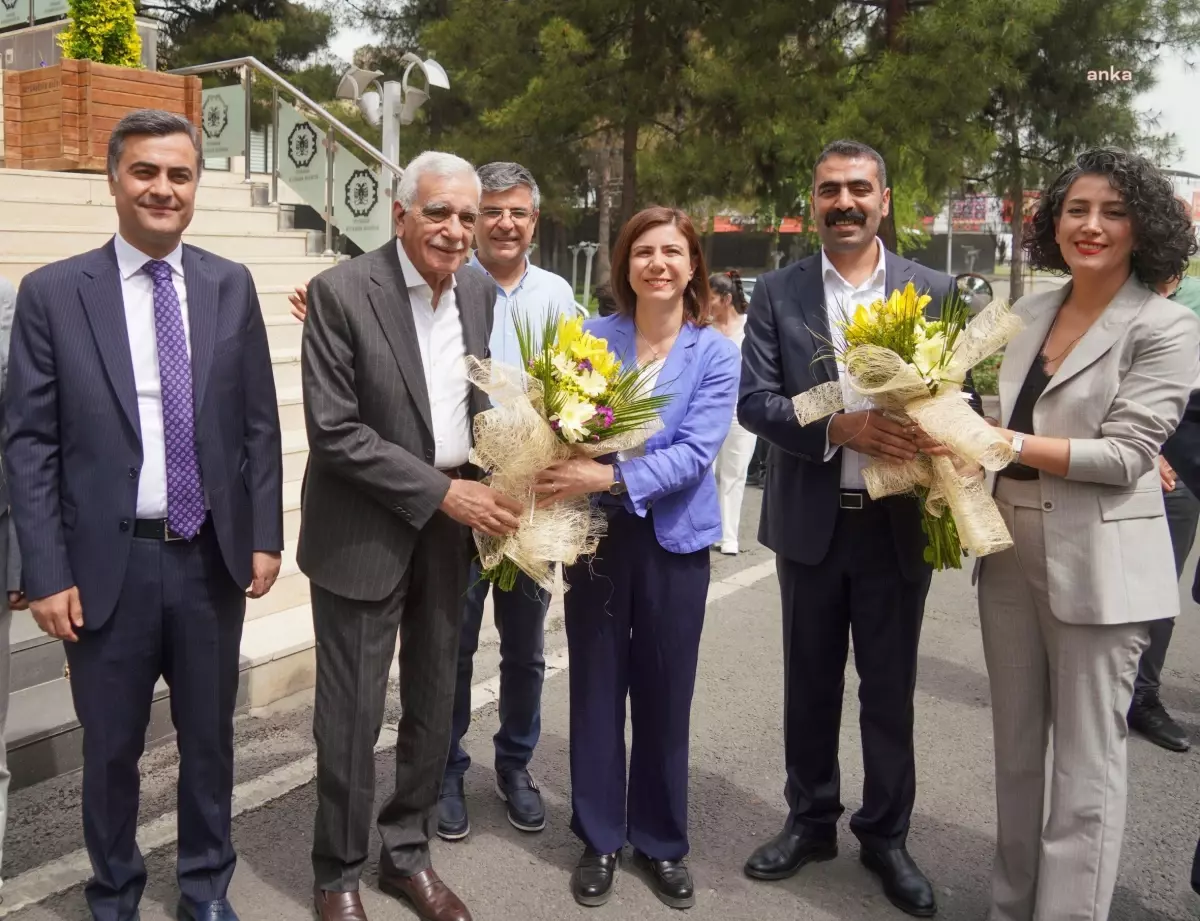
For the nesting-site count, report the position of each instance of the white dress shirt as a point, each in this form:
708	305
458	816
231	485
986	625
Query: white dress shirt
841	299
443	358
137	292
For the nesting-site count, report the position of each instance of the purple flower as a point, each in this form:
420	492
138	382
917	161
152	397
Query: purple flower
606	415
554	424
585	365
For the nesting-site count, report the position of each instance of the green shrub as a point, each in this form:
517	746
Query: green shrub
104	31
986	376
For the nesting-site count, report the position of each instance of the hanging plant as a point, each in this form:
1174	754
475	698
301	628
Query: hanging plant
104	31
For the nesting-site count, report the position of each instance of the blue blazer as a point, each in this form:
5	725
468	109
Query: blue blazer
675	476
74	446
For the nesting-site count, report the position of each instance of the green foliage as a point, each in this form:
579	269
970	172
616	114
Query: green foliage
986	375
104	31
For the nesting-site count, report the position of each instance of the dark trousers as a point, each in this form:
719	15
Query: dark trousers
521	621
179	616
634	616
1183	513
356	644
857	590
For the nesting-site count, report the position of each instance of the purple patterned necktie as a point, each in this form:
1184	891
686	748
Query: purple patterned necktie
185	494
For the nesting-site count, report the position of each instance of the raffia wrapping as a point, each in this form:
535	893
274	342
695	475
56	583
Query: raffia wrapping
899	391
514	440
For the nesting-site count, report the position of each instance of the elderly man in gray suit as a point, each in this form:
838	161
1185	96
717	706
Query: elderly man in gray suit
388	506
10	558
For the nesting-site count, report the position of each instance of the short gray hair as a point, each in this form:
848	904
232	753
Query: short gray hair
155	123
432	163
502	176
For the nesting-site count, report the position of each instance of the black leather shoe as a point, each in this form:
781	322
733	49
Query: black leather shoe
218	910
526	811
672	881
903	882
592	881
1149	718
786	853
453	822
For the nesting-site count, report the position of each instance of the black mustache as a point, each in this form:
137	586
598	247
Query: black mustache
850	214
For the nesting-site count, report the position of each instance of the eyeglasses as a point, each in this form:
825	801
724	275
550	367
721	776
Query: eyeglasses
518	215
440	214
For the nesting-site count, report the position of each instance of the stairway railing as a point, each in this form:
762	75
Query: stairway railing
249	66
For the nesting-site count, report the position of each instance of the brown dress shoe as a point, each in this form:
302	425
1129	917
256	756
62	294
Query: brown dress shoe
338	906
427	894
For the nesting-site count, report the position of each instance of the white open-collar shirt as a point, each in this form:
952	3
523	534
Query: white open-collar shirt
841	300
443	359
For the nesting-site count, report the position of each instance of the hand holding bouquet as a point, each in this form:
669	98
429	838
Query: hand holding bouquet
913	368
571	397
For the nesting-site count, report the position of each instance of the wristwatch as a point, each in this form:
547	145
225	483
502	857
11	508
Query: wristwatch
1018	443
618	484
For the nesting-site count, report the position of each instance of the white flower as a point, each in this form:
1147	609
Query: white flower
572	419
592	383
928	355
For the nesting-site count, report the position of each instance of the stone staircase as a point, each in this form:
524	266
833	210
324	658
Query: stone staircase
49	216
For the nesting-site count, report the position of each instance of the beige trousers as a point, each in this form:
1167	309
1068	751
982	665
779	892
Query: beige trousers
1069	683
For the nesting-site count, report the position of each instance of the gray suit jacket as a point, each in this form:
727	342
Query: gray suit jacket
370	485
10	555
1118	396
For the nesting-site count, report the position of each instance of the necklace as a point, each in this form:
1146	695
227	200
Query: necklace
650	345
1046	359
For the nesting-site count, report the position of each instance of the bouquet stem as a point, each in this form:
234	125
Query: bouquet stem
503	575
943	550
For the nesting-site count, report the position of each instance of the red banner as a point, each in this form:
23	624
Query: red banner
1027	206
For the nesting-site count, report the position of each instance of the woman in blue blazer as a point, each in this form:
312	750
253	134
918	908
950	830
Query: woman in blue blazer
635	612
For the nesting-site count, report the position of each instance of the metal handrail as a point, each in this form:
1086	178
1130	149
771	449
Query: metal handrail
248	65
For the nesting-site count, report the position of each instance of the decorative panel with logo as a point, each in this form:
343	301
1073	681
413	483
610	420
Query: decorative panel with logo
14	13
223	122
362	208
302	165
50	9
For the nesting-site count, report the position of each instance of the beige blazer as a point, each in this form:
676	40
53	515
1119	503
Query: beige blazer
1118	396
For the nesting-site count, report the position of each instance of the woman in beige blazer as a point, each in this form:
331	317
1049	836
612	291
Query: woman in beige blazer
1089	391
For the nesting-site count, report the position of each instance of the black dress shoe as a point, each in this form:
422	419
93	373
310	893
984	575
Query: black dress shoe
592	881
453	822
786	853
1149	718
217	910
526	811
903	882
672	881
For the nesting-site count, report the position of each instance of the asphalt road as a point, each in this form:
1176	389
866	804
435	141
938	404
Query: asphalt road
736	793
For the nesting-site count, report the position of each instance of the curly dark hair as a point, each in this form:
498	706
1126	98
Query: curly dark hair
1163	240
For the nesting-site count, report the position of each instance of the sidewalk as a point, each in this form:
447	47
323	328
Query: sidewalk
736	793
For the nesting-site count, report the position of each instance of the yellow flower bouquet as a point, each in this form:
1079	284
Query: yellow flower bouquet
571	396
913	368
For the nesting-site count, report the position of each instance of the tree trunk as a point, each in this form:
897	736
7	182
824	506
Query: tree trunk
604	233
894	16
629	168
1016	194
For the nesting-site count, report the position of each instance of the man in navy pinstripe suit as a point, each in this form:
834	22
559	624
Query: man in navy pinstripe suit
146	485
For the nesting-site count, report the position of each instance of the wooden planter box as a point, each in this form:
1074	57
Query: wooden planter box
60	117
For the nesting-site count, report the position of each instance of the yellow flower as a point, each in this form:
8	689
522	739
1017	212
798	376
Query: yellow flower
577	344
907	303
572	419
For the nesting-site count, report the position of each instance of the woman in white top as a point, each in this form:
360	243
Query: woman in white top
727	307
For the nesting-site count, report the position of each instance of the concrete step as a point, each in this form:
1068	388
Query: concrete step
35	658
285	365
22	211
283	330
215	190
295	455
291	408
61	242
291	510
267	271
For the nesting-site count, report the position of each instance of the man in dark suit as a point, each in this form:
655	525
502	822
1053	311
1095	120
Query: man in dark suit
385	538
143	453
848	566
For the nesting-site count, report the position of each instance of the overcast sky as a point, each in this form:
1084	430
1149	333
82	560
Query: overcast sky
1177	84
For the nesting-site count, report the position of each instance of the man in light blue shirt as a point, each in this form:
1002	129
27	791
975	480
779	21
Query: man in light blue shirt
508	214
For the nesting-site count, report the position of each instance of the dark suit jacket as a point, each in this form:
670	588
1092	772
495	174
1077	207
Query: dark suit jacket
1182	452
73	441
787	326
371	485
